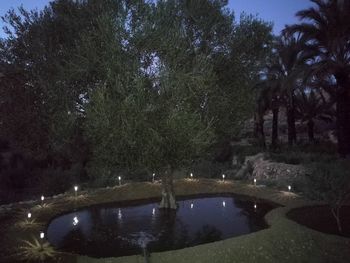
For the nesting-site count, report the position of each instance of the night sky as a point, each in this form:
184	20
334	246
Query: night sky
280	12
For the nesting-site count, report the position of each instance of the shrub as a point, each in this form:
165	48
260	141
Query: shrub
208	169
330	182
242	151
299	157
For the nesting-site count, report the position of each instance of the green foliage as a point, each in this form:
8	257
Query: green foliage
242	151
54	180
305	154
232	101
129	86
209	169
325	29
330	181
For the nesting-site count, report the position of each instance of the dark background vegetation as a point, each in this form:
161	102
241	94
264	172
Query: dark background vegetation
90	90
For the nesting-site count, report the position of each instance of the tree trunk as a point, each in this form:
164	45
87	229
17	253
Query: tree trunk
292	134
274	139
259	129
343	114
310	130
168	196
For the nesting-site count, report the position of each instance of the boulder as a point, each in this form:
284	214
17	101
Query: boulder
257	167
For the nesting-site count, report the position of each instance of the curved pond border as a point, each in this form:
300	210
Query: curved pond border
283	241
136	202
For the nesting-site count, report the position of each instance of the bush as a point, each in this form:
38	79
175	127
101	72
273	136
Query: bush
242	151
208	169
299	157
54	180
330	182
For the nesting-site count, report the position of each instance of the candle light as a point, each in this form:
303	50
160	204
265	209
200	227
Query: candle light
75	190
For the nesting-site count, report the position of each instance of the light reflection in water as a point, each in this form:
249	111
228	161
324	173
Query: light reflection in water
75	221
99	234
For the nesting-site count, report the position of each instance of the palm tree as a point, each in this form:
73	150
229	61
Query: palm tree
327	32
268	98
311	105
285	75
262	104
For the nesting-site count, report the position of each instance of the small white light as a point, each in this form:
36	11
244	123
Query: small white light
191	175
223	203
75	188
153	211
119	213
75	221
42	198
29	215
289	188
153	175
255	206
254	181
42	235
119	178
191	205
223	177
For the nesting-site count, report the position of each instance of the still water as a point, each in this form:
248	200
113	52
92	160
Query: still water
113	230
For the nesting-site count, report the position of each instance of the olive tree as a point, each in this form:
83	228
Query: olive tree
142	115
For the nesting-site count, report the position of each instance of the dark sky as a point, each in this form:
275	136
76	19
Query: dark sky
280	12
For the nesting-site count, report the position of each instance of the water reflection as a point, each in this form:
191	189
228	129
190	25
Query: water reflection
75	221
97	233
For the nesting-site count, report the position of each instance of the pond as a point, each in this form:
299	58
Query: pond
121	229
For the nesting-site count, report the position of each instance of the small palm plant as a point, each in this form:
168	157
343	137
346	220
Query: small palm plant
36	251
27	224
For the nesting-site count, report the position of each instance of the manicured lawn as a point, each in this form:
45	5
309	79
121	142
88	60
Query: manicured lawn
284	241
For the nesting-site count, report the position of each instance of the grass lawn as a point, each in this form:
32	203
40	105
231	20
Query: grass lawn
284	241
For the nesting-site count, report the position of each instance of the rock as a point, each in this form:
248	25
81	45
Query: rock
257	167
248	165
266	170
